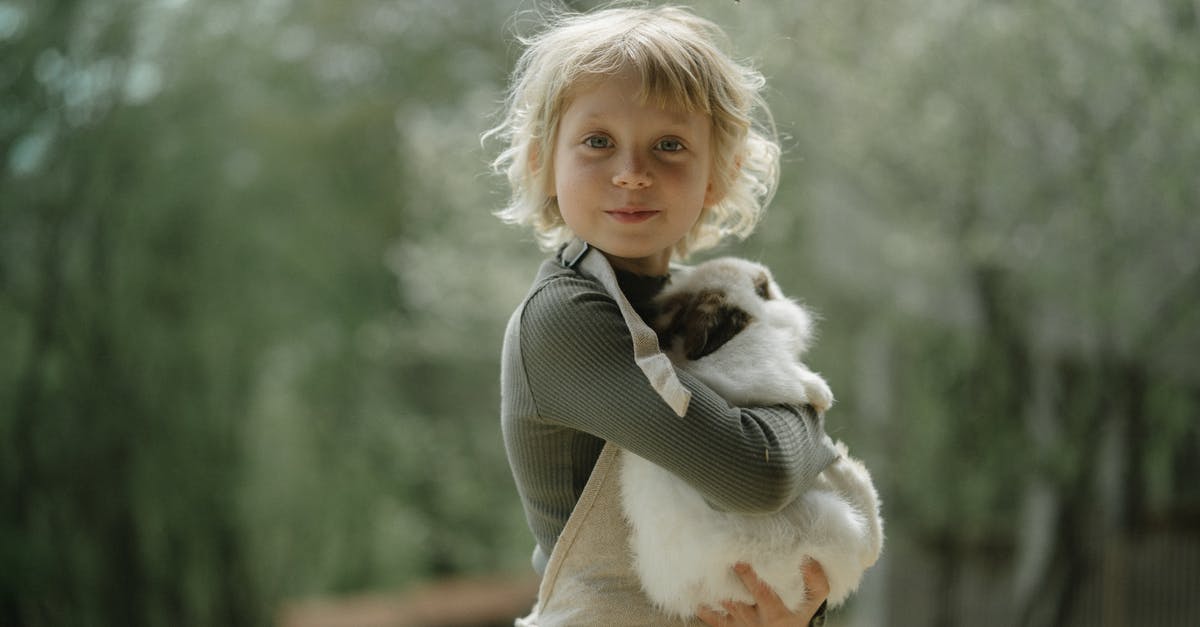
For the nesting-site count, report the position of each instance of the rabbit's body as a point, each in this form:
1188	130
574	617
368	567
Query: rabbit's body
727	323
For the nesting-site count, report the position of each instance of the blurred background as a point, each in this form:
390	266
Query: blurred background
252	296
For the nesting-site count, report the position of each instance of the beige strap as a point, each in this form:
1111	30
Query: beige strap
590	581
583	509
646	352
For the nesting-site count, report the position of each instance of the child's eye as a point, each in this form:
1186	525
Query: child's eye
670	145
598	141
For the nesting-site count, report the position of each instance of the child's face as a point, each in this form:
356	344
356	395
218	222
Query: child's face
631	178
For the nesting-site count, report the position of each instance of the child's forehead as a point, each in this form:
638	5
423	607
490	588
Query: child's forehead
642	88
680	120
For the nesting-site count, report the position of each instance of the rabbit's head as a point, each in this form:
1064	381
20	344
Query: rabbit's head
710	304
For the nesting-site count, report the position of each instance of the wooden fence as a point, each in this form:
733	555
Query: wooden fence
473	602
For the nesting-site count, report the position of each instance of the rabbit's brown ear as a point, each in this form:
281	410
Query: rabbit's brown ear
709	322
670	319
762	286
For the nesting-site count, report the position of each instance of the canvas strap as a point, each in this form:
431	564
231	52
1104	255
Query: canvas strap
650	359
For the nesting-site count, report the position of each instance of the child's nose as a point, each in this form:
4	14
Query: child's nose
632	175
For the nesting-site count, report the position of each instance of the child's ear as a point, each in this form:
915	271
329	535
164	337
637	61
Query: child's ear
715	192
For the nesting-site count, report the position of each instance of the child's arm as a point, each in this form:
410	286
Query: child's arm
578	357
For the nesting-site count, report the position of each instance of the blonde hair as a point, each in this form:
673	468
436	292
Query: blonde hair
680	60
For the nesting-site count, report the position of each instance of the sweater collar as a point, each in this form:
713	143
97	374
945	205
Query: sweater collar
639	289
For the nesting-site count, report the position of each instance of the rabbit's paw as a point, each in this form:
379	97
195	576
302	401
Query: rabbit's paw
817	392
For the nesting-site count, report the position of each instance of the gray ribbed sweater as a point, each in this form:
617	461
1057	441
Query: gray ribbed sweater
569	383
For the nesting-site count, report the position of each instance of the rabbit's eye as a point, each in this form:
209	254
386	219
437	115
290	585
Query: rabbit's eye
762	287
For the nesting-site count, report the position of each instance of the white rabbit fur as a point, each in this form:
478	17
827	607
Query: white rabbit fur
683	550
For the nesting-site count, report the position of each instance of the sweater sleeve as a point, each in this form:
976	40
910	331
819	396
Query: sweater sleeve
578	358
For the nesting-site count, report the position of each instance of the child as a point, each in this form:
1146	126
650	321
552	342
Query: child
631	143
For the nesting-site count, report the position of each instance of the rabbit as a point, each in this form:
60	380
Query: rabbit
727	322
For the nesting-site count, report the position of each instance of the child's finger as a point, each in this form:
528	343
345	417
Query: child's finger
711	617
763	594
741	613
815	581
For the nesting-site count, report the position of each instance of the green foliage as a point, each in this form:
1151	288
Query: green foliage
251	293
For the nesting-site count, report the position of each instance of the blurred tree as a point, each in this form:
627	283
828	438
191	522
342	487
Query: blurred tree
219	397
120	381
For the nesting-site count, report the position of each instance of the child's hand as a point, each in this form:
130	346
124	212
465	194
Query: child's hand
768	609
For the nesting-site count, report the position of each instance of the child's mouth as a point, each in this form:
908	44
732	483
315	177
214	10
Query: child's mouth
632	216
